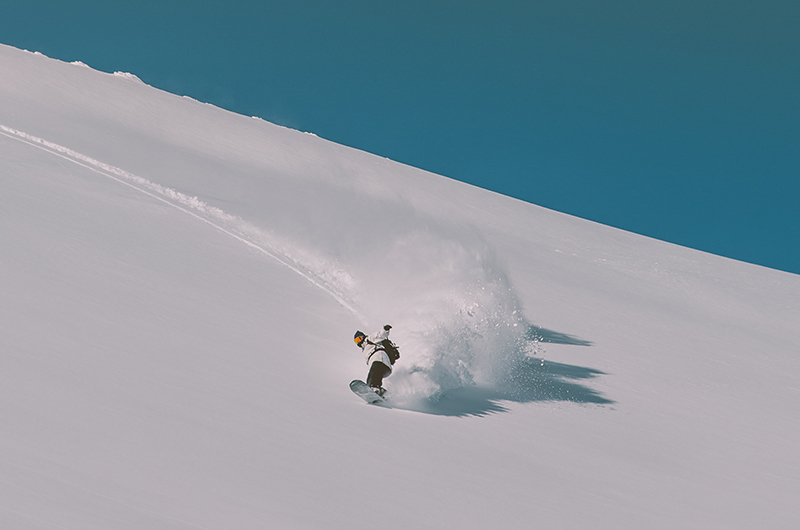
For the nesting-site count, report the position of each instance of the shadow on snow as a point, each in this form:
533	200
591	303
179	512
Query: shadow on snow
554	337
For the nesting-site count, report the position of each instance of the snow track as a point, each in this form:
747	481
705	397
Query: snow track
462	320
471	331
228	224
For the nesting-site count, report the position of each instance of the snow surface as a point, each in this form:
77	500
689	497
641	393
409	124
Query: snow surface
180	287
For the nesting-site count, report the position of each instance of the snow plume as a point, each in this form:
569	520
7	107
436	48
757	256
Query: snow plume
455	313
462	319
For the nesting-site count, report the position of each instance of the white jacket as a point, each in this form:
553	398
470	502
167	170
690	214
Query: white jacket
371	351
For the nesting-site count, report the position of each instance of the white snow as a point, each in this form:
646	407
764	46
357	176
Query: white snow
128	75
180	286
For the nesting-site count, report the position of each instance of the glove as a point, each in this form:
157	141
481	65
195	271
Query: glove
387	327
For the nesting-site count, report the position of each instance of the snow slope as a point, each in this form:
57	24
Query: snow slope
180	286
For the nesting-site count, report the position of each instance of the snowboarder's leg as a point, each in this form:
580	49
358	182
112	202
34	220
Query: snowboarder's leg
377	372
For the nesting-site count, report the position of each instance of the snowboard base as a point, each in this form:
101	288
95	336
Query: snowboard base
363	391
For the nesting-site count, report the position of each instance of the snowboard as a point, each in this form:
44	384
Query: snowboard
361	389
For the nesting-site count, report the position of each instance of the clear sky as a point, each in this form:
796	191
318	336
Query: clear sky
678	120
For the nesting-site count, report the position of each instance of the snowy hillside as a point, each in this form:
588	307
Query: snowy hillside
180	286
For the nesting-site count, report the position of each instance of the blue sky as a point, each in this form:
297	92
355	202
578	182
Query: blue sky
679	120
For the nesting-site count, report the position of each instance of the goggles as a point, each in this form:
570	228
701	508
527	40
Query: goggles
358	340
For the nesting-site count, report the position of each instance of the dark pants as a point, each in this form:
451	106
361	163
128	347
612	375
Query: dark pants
377	372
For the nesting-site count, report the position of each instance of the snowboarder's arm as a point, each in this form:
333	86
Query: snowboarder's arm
378	337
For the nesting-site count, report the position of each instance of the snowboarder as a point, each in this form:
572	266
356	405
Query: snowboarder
380	354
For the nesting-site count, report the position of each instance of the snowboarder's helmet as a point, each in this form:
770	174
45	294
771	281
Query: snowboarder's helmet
359	338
